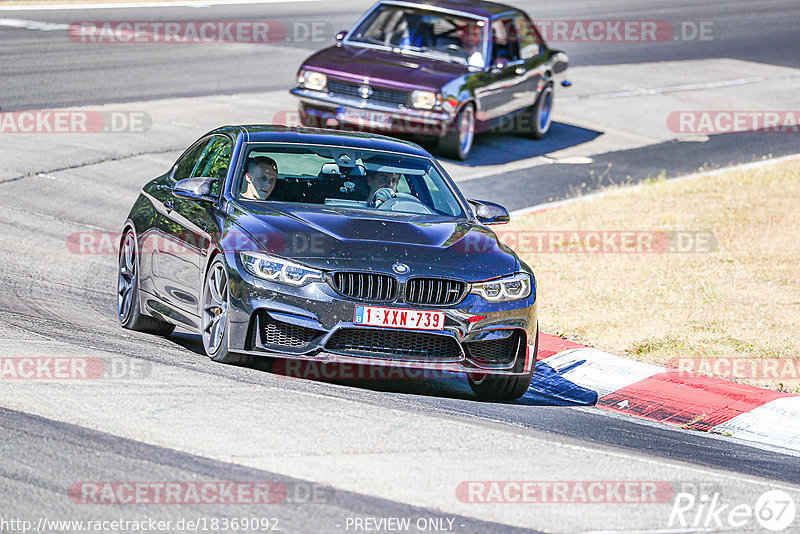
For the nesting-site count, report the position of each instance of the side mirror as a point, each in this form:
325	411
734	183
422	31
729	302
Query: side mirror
195	189
340	36
490	212
560	62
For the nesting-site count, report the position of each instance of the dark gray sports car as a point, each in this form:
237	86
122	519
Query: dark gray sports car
331	247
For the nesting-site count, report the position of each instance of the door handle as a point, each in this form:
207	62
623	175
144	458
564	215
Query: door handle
169	205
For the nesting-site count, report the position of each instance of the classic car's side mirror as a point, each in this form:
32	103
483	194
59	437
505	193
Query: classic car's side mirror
499	64
195	189
490	212
340	35
560	62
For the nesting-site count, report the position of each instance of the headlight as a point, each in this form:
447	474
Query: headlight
423	99
278	269
514	287
312	80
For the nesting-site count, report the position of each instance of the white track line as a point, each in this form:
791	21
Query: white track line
33	25
661	90
196	3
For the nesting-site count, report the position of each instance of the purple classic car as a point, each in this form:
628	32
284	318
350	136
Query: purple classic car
439	69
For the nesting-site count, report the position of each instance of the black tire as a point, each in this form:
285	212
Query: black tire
215	295
457	141
310	121
128	312
539	118
503	387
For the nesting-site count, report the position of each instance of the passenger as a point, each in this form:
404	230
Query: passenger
260	178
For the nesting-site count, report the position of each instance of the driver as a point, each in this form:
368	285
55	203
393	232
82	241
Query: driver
260	179
382	186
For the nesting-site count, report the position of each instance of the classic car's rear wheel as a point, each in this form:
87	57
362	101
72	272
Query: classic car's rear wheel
457	142
128	293
214	321
502	387
539	118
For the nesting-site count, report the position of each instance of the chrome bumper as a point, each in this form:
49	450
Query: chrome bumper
326	100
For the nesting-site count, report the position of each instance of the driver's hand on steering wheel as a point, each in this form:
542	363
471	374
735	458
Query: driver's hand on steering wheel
381	195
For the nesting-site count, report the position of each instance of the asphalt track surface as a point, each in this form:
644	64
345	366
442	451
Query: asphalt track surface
377	448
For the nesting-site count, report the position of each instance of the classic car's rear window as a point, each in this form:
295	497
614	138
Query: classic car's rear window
351	178
454	37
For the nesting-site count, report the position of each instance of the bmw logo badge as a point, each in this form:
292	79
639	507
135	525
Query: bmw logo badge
400	268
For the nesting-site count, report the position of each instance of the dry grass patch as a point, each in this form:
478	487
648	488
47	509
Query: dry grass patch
740	301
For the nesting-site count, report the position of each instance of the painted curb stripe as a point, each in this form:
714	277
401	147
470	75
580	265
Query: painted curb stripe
669	396
775	423
551	345
687	400
600	371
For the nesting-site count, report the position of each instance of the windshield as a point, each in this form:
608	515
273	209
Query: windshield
452	37
345	177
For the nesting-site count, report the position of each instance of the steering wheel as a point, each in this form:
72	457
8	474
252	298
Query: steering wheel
403	202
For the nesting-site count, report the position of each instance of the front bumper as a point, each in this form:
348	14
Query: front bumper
315	323
319	108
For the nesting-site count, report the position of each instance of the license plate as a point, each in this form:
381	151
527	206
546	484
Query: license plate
364	118
399	318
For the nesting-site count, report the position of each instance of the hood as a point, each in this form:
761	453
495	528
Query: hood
382	66
328	239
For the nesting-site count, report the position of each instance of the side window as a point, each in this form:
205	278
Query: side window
505	40
215	160
186	164
529	42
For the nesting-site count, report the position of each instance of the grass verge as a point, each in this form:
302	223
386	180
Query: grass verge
729	305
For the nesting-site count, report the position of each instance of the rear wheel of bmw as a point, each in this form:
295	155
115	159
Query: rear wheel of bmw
128	312
502	387
214	320
457	142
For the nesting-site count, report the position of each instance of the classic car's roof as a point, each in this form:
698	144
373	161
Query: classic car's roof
473	7
265	133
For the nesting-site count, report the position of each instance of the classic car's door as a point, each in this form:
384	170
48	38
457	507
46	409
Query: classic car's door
532	52
191	225
507	89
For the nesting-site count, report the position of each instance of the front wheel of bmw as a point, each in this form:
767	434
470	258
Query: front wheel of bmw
214	322
502	387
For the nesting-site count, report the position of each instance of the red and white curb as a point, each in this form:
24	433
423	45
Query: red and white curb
675	397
